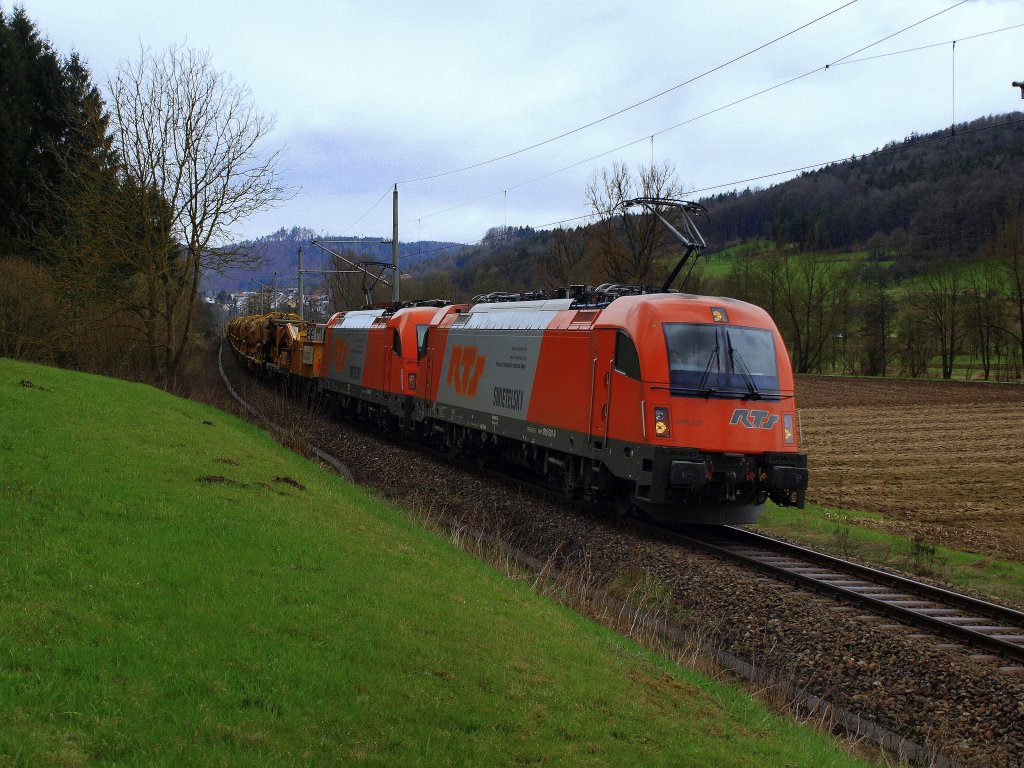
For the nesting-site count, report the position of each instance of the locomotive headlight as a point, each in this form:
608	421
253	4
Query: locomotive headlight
788	435
661	422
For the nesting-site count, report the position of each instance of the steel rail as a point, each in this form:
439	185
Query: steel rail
976	623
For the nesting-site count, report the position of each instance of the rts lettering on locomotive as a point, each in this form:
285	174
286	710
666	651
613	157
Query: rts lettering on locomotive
465	367
754	419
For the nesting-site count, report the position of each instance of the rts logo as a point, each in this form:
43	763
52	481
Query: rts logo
753	419
465	369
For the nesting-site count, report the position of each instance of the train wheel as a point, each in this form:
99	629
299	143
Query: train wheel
479	450
623	506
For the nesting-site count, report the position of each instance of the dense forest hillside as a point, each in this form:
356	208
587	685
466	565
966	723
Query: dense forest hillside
926	193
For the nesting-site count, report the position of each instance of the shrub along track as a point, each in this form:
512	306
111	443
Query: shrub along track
927	692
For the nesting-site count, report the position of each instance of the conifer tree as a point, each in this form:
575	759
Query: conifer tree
52	120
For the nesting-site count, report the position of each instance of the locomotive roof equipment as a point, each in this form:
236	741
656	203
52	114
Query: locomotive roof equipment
690	235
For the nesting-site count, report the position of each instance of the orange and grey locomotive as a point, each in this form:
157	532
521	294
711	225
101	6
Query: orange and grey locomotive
681	406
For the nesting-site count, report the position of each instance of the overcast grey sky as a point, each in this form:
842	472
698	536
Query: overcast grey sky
367	94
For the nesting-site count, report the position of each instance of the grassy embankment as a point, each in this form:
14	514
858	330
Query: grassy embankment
175	588
838	531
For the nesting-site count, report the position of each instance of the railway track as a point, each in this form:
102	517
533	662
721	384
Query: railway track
974	623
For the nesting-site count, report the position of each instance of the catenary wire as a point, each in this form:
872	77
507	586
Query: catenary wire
881	151
898	32
631	106
930	45
369	210
763	91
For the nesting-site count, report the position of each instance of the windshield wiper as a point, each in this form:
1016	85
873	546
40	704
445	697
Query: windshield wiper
735	357
725	393
712	358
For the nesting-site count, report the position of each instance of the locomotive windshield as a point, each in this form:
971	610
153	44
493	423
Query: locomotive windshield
721	361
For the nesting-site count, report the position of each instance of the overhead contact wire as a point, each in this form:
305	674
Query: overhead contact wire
368	212
898	32
631	106
734	103
926	47
754	95
882	151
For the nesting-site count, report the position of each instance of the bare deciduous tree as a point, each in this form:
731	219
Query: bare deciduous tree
1007	251
807	303
347	286
628	243
187	139
984	314
805	294
938	297
915	345
877	323
560	265
30	323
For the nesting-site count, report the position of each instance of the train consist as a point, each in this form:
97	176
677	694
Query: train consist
678	405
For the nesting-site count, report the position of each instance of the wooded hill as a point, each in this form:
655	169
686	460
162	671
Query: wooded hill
919	196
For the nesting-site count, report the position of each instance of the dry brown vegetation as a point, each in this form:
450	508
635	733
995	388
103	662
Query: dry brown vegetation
940	460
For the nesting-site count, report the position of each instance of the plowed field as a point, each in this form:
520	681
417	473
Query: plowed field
940	460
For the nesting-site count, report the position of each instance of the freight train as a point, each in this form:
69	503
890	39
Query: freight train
677	406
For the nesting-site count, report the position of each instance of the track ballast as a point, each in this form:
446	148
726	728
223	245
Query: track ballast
975	623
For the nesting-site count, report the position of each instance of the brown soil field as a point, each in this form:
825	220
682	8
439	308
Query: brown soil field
939	460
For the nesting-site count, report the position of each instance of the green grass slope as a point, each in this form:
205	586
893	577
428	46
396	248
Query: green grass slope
177	589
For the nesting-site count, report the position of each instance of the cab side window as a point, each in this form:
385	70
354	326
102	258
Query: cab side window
396	342
424	342
627	360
